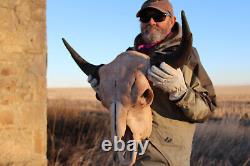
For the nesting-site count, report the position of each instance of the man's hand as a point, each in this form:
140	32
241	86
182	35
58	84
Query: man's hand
169	80
93	83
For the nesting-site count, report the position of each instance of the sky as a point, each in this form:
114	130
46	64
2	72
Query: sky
100	30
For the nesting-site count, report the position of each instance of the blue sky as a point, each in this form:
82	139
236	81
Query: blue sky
100	30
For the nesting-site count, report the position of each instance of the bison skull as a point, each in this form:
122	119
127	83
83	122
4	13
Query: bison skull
125	90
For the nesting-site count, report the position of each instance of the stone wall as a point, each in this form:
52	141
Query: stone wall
23	95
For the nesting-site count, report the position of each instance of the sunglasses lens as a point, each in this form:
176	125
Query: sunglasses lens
159	18
145	19
156	17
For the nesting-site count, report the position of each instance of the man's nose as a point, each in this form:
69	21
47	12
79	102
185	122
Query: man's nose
152	21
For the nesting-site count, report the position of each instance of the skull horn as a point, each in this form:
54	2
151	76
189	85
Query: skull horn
182	54
86	67
184	51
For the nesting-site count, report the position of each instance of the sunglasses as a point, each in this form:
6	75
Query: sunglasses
157	17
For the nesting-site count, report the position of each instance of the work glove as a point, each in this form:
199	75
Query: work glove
168	79
93	83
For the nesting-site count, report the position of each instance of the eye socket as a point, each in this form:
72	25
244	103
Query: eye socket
147	96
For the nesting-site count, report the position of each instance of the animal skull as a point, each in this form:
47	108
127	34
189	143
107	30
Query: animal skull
124	89
126	92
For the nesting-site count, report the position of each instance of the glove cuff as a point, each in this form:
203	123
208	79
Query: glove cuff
177	95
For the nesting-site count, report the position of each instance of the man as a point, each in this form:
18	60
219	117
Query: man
185	95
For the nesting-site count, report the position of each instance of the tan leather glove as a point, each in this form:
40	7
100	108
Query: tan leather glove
169	80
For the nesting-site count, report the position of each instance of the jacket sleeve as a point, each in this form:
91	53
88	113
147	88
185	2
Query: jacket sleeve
200	100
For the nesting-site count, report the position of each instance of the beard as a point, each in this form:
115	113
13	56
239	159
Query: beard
153	34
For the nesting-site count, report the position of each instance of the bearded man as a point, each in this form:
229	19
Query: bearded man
182	96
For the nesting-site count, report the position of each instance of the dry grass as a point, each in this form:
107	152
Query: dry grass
77	124
74	136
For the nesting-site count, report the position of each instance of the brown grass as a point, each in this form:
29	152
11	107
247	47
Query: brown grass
77	124
74	136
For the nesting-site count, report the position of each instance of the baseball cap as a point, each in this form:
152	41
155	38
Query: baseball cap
162	5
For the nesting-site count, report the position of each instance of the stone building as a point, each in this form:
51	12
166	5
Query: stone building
23	94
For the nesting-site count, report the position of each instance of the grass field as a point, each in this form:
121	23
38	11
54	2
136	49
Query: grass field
77	124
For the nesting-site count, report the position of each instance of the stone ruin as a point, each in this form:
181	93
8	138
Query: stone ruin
23	94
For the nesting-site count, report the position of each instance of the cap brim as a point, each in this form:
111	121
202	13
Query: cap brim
152	7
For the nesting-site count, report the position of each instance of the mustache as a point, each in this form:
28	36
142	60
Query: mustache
150	27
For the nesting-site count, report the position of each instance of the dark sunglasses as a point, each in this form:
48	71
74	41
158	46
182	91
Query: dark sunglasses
157	17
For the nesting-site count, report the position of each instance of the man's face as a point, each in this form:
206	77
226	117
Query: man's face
155	25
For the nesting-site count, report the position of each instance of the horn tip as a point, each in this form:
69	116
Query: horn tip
183	15
63	40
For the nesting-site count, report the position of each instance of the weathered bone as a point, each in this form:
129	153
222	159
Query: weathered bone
119	117
128	95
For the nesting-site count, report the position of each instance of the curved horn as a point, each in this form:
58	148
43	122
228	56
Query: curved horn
86	67
182	54
185	48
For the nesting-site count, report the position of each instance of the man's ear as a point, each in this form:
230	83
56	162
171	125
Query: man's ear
173	20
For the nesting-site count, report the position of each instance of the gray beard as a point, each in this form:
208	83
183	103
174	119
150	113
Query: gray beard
152	37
